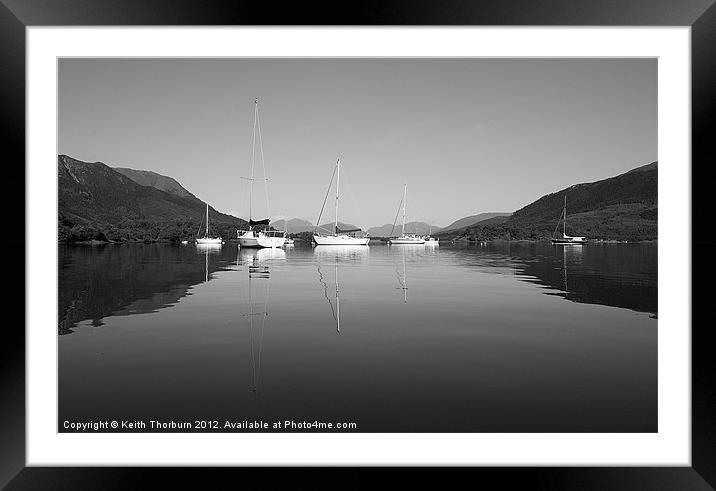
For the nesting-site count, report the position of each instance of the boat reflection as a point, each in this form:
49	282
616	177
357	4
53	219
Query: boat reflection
335	311
259	268
410	251
574	252
248	255
403	278
206	250
341	252
327	255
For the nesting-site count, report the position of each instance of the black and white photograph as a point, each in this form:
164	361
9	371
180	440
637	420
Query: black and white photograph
357	245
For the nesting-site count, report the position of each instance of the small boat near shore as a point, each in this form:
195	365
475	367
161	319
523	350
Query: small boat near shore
406	238
288	241
566	239
208	239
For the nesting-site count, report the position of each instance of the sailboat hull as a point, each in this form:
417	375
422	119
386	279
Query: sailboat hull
248	240
271	242
575	240
209	240
407	240
340	240
252	239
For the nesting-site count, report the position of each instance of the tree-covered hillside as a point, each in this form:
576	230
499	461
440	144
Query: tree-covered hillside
97	202
624	207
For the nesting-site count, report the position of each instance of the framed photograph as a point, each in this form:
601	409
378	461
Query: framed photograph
426	236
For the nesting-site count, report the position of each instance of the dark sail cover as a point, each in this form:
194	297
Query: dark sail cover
340	231
259	222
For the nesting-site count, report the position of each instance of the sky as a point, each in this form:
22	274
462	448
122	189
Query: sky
467	135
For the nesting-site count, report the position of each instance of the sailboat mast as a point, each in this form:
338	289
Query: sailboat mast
338	183
564	222
207	220
405	198
253	154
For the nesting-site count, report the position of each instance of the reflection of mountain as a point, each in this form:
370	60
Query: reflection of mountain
619	275
100	281
616	275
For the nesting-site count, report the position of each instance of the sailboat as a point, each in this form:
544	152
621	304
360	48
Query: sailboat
566	239
429	239
206	239
339	237
289	241
252	237
406	238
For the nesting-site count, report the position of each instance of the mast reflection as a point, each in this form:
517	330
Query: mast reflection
336	254
259	269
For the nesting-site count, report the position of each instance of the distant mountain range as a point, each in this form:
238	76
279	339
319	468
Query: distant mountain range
96	201
624	207
330	226
295	225
420	228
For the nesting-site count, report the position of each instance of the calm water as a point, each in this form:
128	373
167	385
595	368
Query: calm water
512	337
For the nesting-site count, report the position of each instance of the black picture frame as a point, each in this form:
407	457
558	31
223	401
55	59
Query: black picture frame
16	15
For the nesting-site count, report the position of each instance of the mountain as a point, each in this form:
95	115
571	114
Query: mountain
624	207
97	202
158	181
295	225
420	228
493	221
330	226
472	220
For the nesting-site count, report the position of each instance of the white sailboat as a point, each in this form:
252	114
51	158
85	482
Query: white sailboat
252	237
429	239
207	239
566	239
406	238
289	241
339	237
